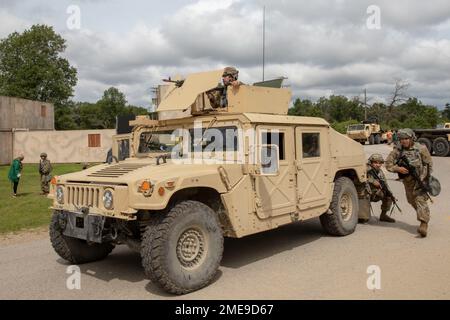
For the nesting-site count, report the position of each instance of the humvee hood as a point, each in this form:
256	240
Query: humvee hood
130	171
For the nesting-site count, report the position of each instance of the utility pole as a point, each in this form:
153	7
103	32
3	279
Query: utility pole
264	40
365	104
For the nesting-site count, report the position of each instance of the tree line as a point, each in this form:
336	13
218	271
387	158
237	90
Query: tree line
340	111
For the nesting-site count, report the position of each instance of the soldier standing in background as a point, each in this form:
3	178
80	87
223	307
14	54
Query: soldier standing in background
419	158
45	168
374	173
218	96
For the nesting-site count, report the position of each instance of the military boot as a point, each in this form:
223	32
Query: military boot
423	229
385	217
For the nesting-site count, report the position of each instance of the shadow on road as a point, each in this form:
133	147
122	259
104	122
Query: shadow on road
240	252
374	222
124	264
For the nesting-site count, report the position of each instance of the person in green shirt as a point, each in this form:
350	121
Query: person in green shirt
15	172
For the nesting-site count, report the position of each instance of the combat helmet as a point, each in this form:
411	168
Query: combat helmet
230	71
376	157
43	154
434	186
406	134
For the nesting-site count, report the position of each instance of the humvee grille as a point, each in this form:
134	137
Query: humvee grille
83	196
117	170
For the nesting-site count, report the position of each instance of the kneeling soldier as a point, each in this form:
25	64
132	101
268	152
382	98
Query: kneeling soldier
374	175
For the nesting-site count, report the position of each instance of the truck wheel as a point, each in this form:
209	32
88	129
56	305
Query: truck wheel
74	250
440	147
363	142
183	252
371	139
426	142
377	139
344	207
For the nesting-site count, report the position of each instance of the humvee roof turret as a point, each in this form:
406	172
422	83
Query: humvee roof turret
186	182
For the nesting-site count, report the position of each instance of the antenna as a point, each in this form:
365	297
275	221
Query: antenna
264	40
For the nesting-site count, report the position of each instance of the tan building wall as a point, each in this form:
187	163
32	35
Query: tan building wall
71	146
23	113
5	147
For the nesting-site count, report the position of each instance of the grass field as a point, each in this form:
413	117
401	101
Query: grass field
29	209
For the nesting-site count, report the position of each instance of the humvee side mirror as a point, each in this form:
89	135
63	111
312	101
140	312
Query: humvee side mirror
269	159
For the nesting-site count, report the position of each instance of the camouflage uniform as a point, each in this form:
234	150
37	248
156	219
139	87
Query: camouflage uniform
374	175
376	194
420	158
45	168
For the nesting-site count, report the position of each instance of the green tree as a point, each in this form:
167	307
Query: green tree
112	104
446	112
305	108
31	66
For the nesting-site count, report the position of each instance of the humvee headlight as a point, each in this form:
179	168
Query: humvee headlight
108	200
60	195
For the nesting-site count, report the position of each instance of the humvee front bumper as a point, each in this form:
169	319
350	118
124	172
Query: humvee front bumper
83	226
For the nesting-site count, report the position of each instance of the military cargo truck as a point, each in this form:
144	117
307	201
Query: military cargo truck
436	140
366	132
174	198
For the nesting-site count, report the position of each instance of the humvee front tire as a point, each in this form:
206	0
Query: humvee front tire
344	207
74	250
183	251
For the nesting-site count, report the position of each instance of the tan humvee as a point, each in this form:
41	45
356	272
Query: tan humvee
174	197
366	132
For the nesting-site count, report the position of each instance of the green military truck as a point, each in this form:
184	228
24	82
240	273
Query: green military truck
436	140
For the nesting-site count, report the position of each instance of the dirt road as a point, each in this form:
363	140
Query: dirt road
293	262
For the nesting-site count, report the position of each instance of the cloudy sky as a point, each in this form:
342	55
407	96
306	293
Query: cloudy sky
323	47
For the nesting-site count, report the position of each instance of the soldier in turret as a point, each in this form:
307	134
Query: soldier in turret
218	96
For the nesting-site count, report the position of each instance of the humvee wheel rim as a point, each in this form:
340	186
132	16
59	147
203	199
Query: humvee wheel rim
346	206
191	248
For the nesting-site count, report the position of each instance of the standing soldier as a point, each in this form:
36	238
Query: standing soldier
45	168
374	175
419	159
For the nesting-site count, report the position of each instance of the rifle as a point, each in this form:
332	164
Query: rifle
404	162
385	189
178	83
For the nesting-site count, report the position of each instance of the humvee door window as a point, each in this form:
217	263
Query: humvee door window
277	138
311	145
124	149
156	141
215	139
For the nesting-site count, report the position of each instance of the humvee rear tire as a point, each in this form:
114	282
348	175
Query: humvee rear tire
344	207
183	251
426	142
371	139
441	147
74	250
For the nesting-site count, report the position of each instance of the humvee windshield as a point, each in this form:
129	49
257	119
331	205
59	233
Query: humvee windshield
156	141
217	139
355	127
